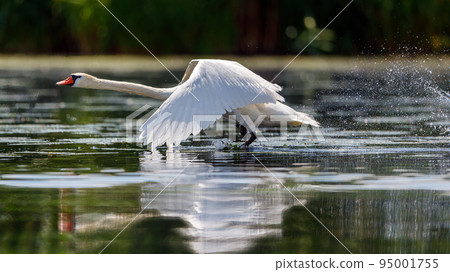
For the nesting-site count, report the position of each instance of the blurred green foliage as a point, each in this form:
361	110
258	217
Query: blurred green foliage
224	27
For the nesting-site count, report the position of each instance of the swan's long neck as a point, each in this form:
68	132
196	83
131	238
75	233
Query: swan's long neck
133	88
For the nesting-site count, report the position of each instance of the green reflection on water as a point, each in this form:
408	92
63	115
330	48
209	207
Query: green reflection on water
46	221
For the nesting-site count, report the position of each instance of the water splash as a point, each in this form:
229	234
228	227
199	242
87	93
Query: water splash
403	87
417	77
222	144
443	94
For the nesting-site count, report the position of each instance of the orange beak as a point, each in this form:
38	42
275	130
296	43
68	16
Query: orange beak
67	81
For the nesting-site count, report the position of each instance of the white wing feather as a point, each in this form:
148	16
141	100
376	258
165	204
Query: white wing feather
214	88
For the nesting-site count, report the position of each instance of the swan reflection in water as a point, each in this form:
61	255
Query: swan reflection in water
211	210
225	212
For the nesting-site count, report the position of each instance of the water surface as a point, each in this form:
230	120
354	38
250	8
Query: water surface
379	179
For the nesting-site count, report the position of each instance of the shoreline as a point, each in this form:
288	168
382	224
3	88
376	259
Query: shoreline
130	63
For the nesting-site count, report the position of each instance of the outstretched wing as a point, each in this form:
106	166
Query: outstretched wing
210	89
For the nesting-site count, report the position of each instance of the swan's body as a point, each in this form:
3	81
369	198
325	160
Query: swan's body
209	90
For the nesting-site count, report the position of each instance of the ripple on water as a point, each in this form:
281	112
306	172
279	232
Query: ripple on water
380	171
322	181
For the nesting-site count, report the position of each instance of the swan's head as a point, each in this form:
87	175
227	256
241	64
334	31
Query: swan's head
79	80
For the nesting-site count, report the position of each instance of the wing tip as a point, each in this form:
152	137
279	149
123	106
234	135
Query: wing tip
278	88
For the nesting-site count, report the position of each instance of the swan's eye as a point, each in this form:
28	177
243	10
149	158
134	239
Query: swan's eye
75	77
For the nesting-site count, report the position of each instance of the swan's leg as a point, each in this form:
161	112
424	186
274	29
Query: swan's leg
242	130
249	141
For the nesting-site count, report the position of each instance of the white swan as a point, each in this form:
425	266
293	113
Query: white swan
212	88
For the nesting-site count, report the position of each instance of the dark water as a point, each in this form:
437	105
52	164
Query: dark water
379	179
